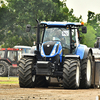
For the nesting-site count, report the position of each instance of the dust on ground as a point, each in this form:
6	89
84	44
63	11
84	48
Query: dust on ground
14	92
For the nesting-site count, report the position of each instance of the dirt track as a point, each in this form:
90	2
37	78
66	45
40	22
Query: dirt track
13	92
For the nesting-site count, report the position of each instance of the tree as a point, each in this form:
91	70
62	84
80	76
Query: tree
3	10
26	12
94	21
19	13
89	37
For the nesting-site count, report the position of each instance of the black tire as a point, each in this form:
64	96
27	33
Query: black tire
71	74
26	73
86	72
4	69
41	81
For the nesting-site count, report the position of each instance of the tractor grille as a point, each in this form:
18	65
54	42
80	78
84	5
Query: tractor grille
48	46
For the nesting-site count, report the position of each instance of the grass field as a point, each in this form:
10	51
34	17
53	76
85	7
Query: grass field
9	80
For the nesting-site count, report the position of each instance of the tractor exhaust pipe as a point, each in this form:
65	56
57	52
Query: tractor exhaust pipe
38	35
28	28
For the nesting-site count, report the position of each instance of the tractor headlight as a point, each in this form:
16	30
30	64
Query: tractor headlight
53	52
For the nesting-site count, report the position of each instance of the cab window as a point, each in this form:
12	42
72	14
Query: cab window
12	55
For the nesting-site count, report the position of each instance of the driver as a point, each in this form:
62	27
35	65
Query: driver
58	34
62	38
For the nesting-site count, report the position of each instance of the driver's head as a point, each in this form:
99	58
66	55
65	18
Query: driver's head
57	33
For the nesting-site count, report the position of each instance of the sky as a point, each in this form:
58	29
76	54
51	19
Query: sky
81	7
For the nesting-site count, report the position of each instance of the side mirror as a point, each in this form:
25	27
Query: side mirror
84	29
28	28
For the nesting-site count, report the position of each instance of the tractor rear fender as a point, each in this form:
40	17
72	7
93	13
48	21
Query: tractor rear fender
28	55
83	51
87	51
72	56
6	60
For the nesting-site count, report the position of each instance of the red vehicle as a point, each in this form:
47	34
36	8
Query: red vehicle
8	62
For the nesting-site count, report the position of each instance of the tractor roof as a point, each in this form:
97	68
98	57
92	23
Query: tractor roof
9	49
62	24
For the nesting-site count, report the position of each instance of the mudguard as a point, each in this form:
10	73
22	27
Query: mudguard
6	60
83	51
72	56
28	55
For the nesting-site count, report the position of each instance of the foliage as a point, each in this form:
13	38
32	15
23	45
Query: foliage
89	38
94	21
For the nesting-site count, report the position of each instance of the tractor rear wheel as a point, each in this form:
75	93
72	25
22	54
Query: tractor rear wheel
27	75
4	68
86	72
71	74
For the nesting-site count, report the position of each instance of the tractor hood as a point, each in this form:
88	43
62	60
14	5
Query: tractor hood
51	48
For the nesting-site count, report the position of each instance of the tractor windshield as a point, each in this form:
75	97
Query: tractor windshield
2	54
57	34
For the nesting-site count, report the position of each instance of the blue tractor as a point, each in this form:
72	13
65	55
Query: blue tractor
58	55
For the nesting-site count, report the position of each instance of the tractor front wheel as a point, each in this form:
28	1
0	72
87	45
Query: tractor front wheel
27	77
71	74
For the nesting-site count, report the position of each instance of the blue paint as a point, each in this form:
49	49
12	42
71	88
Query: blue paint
80	50
56	53
60	23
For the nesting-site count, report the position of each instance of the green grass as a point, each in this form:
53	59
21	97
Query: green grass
10	80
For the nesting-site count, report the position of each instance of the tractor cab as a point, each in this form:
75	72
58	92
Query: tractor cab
8	62
58	35
60	39
9	54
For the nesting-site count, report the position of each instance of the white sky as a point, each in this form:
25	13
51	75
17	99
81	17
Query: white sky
81	7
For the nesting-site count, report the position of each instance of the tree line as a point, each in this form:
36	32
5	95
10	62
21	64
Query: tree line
16	14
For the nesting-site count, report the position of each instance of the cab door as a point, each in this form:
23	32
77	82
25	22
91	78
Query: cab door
12	56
